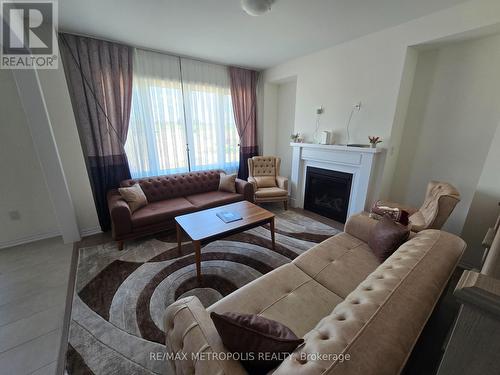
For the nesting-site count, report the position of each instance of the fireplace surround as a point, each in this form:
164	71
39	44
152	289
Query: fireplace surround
364	164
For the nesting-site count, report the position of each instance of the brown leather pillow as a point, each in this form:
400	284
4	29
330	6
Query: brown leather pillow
227	182
386	237
262	344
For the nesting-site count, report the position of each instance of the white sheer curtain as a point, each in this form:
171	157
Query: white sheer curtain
160	130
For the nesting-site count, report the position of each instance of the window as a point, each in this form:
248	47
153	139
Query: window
177	125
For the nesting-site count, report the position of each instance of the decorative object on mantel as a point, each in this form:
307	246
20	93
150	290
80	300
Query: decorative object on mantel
316	137
297	138
324	138
374	141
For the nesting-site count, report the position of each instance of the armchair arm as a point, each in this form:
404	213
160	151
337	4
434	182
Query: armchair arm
409	209
245	188
121	217
190	331
282	182
253	181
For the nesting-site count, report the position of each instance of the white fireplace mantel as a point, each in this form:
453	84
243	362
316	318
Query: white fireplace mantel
362	162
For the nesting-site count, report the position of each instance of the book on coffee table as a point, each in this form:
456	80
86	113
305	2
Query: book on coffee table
228	217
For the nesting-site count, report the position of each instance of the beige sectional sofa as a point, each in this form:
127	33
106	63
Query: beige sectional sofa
338	297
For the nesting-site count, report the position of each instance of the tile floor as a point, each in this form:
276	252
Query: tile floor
33	287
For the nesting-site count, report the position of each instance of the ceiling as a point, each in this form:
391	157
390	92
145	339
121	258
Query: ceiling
220	31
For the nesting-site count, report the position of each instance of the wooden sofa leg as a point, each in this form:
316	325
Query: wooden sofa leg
285	205
120	245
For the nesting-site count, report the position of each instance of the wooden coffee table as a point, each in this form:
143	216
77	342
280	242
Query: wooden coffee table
204	226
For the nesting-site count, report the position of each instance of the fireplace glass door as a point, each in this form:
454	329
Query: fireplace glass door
327	193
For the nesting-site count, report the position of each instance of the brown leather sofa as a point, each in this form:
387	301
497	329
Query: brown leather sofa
356	316
168	197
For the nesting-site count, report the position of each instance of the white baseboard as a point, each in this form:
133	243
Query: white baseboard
90	231
42	236
28	239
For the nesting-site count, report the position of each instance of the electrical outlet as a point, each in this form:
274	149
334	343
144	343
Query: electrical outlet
320	110
14	215
357	106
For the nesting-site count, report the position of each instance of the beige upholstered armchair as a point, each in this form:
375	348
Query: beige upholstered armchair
440	200
269	186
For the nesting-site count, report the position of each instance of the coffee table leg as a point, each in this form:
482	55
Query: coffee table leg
197	251
272	233
179	237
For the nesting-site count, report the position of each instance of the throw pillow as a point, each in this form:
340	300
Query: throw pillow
134	196
396	214
227	182
386	237
265	181
261	343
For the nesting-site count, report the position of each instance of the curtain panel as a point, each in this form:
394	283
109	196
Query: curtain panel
180	104
99	76
244	99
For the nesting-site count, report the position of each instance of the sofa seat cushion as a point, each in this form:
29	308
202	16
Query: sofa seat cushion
286	295
213	199
340	263
157	212
271	192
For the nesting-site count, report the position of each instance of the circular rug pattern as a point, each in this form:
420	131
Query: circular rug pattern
120	297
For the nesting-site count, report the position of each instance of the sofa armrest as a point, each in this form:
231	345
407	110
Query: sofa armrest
360	226
282	182
190	331
409	209
121	217
245	188
253	181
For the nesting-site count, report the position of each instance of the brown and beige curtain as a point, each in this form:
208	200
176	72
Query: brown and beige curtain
99	76
244	99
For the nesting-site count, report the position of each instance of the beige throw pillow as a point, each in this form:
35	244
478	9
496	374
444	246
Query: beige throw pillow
227	182
134	196
265	181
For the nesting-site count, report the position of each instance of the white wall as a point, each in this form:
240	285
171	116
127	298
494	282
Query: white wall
372	70
484	208
23	186
452	119
285	124
60	110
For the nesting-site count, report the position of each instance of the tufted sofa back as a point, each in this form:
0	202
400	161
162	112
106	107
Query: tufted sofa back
177	185
379	322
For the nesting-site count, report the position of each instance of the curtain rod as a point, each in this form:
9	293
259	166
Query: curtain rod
155	50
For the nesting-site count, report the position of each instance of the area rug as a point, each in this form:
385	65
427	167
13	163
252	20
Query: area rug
120	297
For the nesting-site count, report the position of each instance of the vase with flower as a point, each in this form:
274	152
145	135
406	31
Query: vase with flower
374	141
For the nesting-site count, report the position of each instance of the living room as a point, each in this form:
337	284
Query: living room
316	179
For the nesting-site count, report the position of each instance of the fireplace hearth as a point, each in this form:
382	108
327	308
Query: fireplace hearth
327	193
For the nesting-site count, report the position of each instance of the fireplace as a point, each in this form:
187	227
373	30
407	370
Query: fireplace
327	193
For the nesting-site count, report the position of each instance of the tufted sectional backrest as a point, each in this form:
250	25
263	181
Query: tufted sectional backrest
379	322
177	185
